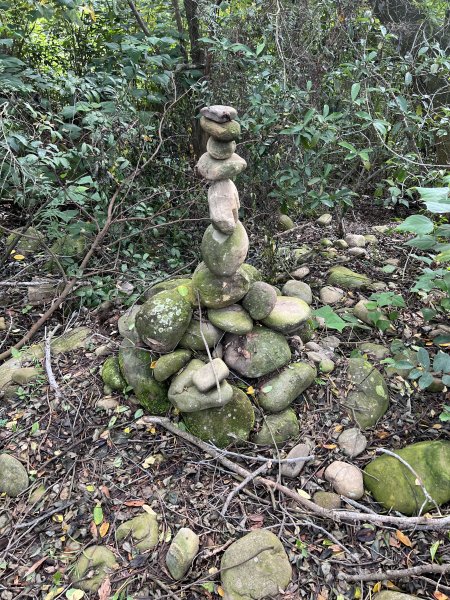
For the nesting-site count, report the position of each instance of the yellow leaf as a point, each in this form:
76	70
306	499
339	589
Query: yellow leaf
436	426
377	587
329	446
58	518
220	591
13	252
127	430
150	460
440	595
213	570
90	488
338	428
404	539
53	593
153	364
251	390
104	528
357	593
19	257
148	509
303	494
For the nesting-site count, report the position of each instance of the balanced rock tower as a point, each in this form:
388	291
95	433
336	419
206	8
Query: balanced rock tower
196	342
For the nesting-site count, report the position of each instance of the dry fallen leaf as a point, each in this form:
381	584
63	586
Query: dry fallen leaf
104	528
134	502
104	590
377	587
440	595
329	446
404	539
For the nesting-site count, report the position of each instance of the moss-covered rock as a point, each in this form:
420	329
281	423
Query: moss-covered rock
163	320
218	292
170	284
260	300
257	353
298	289
280	391
252	273
193	340
328	500
288	314
66	249
96	559
112	376
347	279
186	397
368	397
255	567
223	132
127	325
181	553
394	486
223	426
220	150
135	366
278	428
224	254
232	319
171	363
378	351
30	243
13	476
285	223
143	531
219	170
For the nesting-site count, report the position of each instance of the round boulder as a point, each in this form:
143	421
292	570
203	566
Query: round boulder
97	560
13	476
298	289
224	132
260	300
278	428
346	479
224	254
220	150
232	319
193	338
218	292
169	364
288	314
217	170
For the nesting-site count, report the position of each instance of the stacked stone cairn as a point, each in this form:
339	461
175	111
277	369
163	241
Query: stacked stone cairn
194	338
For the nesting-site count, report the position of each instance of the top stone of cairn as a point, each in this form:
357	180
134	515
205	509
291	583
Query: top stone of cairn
219	113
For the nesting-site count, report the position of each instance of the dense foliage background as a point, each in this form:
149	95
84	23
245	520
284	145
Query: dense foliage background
342	103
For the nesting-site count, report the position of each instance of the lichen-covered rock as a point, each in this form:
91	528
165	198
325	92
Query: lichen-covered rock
127	325
368	397
252	273
257	353
218	292
288	314
328	500
170	284
293	469
303	254
143	531
135	366
394	486
185	396
31	241
67	247
298	289
255	567
346	479
285	223
163	320
13	476
223	132
193	338
210	374
111	375
96	559
182	552
260	300
347	279
354	240
171	363
232	319
223	201
223	426
220	150
217	170
324	220
224	254
278	428
280	391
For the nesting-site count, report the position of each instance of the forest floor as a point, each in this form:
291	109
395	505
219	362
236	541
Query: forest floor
85	450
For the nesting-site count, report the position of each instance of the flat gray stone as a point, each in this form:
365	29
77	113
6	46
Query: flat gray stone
330	294
181	553
298	289
294	469
216	170
219	113
207	377
352	442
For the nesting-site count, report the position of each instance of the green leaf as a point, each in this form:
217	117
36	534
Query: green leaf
424	358
266	389
423	242
436	199
332	320
408	78
443	256
97	514
425	381
434	548
208	586
441	362
355	91
389	269
428	313
417	224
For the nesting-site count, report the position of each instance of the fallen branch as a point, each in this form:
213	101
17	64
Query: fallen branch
236	490
48	363
397	574
336	515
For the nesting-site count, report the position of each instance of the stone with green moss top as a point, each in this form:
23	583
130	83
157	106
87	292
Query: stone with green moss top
135	366
257	353
112	376
13	476
280	391
218	292
347	279
181	553
143	531
255	567
223	426
260	300
170	284
187	398
368	397
127	325
194	340
285	223
224	254
288	314
67	247
232	319
219	170
394	486
278	428
99	561
223	132
31	241
252	273
171	363
163	320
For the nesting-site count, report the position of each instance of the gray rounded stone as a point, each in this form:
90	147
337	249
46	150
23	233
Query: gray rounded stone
207	377
294	469
171	363
347	279
13	476
352	442
260	300
368	398
278	428
327	500
224	132
219	113
216	170
127	325
193	338
223	201
98	561
288	314
346	479
255	567
298	289
224	254
142	529
232	319
355	241
181	553
218	292
220	150
280	391
331	295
